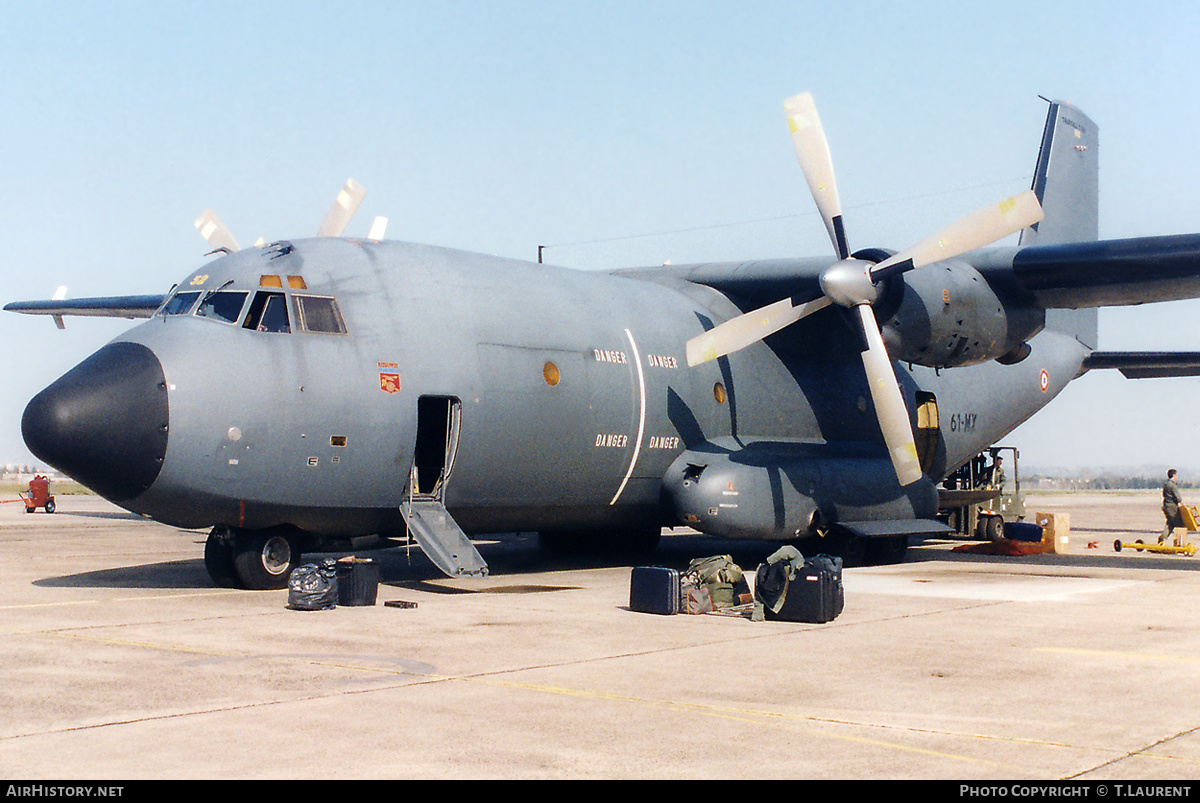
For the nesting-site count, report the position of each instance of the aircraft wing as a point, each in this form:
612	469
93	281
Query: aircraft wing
103	307
1146	364
1104	273
748	284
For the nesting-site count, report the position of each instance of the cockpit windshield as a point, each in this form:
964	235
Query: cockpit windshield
320	314
273	307
268	313
180	303
222	306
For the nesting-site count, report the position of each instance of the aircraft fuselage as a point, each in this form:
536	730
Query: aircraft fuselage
553	399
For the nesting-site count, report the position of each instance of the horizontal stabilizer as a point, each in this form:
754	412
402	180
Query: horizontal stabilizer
102	307
1146	364
888	527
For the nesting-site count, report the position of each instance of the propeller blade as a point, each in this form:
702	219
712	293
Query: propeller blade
214	232
889	403
812	151
980	228
342	210
378	227
751	327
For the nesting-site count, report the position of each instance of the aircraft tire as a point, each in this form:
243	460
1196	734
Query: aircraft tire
887	551
852	549
639	540
632	541
263	559
218	559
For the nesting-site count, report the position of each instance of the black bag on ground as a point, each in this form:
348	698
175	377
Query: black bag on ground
312	587
653	589
790	588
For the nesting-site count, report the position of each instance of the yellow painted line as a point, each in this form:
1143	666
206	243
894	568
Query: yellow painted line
1141	656
754	716
128	643
32	605
790	721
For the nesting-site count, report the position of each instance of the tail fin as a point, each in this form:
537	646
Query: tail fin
1067	179
1066	183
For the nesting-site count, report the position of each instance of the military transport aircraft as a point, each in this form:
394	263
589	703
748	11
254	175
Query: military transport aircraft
316	390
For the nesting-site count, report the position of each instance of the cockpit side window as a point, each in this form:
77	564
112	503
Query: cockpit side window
320	314
268	313
223	306
180	303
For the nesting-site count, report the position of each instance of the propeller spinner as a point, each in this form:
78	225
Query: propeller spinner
853	283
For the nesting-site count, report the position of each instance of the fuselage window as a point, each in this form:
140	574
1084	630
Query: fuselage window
225	306
320	314
180	303
268	313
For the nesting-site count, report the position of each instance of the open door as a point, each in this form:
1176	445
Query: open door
424	511
438	419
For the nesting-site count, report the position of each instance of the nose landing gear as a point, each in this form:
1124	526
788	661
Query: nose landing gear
257	560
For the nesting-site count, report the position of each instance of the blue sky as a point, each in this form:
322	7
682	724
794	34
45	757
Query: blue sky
499	126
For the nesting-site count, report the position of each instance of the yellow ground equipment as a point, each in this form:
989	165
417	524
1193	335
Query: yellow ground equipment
1139	545
1180	547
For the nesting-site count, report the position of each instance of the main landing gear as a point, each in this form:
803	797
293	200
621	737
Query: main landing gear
856	550
257	560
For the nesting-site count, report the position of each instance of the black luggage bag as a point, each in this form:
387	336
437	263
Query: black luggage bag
812	594
653	589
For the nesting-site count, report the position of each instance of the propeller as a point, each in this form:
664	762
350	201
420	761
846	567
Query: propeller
214	231
344	207
854	283
218	236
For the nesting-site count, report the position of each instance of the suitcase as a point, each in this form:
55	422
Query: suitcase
1023	531
814	594
653	589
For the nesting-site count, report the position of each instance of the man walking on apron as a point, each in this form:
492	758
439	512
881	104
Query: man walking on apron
1170	506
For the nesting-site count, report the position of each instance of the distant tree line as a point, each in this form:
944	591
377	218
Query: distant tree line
1116	483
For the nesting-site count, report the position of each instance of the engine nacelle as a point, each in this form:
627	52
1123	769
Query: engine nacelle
781	490
947	315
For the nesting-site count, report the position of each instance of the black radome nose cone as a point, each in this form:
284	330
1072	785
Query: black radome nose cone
104	422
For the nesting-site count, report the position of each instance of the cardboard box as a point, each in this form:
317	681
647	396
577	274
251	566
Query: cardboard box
1056	529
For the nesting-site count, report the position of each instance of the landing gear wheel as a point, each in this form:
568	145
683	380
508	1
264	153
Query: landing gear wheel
886	551
263	559
851	548
627	542
218	558
639	541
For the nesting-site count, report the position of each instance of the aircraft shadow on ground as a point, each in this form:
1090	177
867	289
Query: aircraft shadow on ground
1102	557
510	555
517	555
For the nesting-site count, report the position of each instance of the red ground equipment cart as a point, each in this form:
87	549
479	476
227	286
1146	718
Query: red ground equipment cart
38	495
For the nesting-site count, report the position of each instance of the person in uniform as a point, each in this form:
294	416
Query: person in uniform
996	478
1170	507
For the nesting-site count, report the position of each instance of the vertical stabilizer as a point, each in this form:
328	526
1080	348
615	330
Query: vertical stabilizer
1067	183
1067	179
